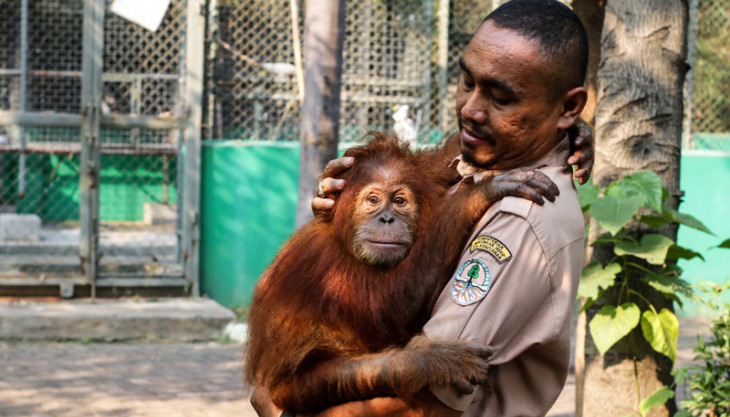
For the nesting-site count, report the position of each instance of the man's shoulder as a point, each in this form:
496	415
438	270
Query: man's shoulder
555	224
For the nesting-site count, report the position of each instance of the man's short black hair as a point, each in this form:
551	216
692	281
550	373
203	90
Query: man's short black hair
559	31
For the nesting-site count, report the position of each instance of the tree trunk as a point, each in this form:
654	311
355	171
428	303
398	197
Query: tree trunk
324	23
591	13
638	127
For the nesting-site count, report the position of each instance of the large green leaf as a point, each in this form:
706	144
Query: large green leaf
594	277
648	184
653	248
587	193
680	252
668	284
685	219
654	221
612	323
612	213
659	397
661	331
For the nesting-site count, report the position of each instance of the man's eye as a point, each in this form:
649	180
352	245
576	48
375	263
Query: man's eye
501	98
468	82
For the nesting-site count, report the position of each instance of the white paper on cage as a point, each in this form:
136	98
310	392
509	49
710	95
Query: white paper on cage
146	13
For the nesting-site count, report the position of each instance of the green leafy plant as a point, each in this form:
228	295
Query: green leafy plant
638	200
709	383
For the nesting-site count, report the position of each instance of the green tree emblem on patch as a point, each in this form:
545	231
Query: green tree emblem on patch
472	274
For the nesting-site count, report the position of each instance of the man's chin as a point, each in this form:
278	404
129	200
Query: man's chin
470	156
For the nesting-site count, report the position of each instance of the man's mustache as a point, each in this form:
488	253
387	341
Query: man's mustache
476	130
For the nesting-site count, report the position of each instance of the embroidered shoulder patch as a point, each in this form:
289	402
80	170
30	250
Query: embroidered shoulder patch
493	247
471	282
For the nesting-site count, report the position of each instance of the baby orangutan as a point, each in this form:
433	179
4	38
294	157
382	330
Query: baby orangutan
336	317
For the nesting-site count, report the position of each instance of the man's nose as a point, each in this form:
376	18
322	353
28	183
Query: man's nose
474	109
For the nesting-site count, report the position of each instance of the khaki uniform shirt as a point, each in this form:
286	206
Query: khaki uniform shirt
515	291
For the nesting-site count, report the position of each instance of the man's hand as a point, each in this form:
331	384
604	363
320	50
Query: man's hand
581	145
328	184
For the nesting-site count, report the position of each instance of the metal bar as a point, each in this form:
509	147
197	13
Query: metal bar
103	281
120	121
59	148
39	119
114	121
194	57
362	117
443	65
23	91
687	142
110	76
346	81
426	97
136	106
346	97
15	280
297	48
91	94
211	109
130	77
141	281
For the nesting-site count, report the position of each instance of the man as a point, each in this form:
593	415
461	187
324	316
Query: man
520	89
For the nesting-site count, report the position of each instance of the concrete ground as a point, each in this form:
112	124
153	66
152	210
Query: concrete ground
70	380
148	379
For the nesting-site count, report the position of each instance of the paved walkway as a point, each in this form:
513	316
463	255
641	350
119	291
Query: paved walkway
187	380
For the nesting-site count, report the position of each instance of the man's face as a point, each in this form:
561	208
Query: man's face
507	115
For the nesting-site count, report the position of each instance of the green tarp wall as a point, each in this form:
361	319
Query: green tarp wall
249	192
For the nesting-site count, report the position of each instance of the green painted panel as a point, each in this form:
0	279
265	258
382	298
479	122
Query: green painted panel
705	179
248	205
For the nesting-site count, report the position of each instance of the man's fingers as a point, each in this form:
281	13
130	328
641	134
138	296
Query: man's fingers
322	204
337	166
331	185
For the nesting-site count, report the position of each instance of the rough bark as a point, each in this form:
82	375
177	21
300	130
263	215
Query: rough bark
591	13
324	37
638	127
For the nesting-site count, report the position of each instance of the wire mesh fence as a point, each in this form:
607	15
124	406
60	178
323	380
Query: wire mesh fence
711	83
41	54
40	71
139	191
400	65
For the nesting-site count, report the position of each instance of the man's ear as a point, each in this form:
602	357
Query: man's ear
573	102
